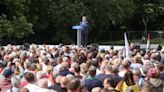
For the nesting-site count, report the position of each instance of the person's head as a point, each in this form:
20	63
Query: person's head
59	60
33	67
83	68
73	64
8	73
117	62
64	81
39	67
92	71
126	64
57	80
102	69
15	81
90	56
64	65
152	73
73	85
160	67
30	77
55	74
77	69
99	60
82	58
49	69
24	90
70	76
153	56
128	78
66	49
43	83
84	18
108	69
46	61
109	82
27	64
40	75
88	64
94	62
136	74
96	89
137	59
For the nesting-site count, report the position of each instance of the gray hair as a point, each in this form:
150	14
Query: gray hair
109	68
40	75
15	81
43	83
136	71
27	64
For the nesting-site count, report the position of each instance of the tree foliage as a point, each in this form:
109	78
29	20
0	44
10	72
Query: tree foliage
13	21
51	21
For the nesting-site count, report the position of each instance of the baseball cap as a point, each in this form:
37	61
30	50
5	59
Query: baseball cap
7	72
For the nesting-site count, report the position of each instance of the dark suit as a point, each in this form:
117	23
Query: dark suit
84	32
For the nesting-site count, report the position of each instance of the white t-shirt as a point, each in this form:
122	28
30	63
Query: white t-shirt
121	74
32	87
44	67
14	89
57	67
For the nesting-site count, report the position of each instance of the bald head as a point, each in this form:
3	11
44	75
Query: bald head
43	83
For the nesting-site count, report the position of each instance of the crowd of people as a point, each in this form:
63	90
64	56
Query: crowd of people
72	69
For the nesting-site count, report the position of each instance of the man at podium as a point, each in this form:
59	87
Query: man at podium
84	31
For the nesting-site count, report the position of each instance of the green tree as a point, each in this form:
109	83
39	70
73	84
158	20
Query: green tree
108	15
55	19
13	22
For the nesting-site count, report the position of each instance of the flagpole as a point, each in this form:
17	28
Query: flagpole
148	42
127	50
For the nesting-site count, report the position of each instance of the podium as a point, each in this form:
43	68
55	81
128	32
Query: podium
78	28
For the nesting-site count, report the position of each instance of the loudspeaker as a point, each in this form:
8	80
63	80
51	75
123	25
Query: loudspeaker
152	46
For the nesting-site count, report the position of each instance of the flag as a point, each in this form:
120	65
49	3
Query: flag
127	50
148	42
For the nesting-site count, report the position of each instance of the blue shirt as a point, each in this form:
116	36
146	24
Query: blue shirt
92	82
